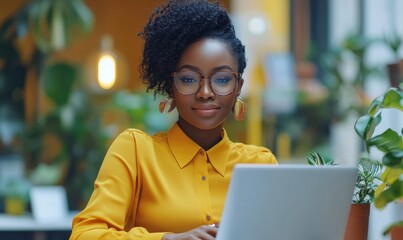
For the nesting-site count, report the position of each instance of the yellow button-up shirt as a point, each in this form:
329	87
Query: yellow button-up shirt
150	185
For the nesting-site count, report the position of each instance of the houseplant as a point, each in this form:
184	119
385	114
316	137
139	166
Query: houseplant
15	193
364	190
394	68
390	143
345	73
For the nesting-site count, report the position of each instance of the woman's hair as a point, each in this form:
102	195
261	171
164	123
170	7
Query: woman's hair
172	28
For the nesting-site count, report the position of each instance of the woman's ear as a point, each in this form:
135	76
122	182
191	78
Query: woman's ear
238	92
171	93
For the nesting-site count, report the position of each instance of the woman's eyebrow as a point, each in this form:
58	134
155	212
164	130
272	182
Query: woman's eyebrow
222	67
196	69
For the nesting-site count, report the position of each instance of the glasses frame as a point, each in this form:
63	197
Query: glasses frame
238	76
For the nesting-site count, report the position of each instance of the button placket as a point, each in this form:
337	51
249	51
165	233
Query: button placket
201	163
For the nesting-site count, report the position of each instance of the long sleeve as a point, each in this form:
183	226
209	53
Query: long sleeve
148	186
112	204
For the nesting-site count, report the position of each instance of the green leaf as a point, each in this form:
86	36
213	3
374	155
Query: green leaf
393	99
365	126
316	159
83	14
58	81
375	106
393	158
390	175
389	229
380	189
387	141
394	192
361	125
37	16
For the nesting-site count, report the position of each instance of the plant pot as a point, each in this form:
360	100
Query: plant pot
357	224
396	233
14	206
395	73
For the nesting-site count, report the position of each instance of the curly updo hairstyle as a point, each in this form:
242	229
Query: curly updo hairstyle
172	28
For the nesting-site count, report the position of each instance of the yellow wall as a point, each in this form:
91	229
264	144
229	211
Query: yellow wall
277	39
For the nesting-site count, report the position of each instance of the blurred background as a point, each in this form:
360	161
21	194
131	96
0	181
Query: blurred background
69	83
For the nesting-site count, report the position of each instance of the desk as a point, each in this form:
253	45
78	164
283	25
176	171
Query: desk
40	230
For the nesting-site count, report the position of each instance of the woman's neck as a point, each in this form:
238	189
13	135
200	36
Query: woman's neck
204	138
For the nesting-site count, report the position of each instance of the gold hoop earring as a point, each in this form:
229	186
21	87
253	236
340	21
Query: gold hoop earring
239	109
166	105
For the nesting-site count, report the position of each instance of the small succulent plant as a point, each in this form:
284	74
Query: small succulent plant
367	177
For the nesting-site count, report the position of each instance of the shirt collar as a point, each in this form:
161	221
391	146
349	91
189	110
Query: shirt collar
218	154
184	149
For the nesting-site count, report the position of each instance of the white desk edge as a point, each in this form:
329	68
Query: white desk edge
27	223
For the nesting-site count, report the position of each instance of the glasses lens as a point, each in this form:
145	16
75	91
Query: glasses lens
187	82
223	83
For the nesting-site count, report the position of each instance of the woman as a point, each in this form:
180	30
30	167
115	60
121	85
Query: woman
172	185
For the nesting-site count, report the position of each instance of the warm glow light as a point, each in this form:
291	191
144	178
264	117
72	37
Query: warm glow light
106	71
257	25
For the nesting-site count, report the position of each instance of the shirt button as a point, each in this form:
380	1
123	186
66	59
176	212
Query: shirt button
208	218
203	178
201	153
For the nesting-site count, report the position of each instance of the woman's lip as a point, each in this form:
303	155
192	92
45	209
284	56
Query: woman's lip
206	110
206	107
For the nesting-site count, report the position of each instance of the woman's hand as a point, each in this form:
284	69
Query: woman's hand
205	232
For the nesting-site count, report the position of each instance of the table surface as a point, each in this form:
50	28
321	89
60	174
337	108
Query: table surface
27	223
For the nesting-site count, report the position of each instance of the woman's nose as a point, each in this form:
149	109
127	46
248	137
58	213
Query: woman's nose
205	90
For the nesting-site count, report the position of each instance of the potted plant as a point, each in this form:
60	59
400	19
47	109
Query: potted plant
345	73
364	190
390	143
15	193
394	68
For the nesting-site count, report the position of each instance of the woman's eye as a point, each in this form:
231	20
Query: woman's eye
222	80
188	79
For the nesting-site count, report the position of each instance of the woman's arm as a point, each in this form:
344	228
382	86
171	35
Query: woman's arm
111	207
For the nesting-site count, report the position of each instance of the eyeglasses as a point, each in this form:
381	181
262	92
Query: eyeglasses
189	82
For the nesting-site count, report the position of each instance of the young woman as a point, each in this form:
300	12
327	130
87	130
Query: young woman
172	185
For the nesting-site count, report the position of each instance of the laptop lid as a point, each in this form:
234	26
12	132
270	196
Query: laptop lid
287	202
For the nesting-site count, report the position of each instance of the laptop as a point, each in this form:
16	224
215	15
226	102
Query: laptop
287	202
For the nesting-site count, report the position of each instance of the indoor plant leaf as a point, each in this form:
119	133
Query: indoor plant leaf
390	175
375	106
83	15
366	124
393	158
394	192
393	99
389	229
387	141
58	79
38	13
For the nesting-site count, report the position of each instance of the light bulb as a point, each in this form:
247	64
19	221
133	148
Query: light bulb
106	71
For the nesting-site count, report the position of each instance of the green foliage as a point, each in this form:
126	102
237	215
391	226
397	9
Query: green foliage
56	22
316	159
389	142
346	88
16	188
58	80
73	119
366	183
394	43
399	223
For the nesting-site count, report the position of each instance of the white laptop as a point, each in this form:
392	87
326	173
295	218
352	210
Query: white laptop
287	202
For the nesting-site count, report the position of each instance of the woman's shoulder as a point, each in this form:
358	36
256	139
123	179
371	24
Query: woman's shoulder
249	147
138	134
254	152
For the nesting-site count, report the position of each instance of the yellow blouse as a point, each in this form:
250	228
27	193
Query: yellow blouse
150	185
